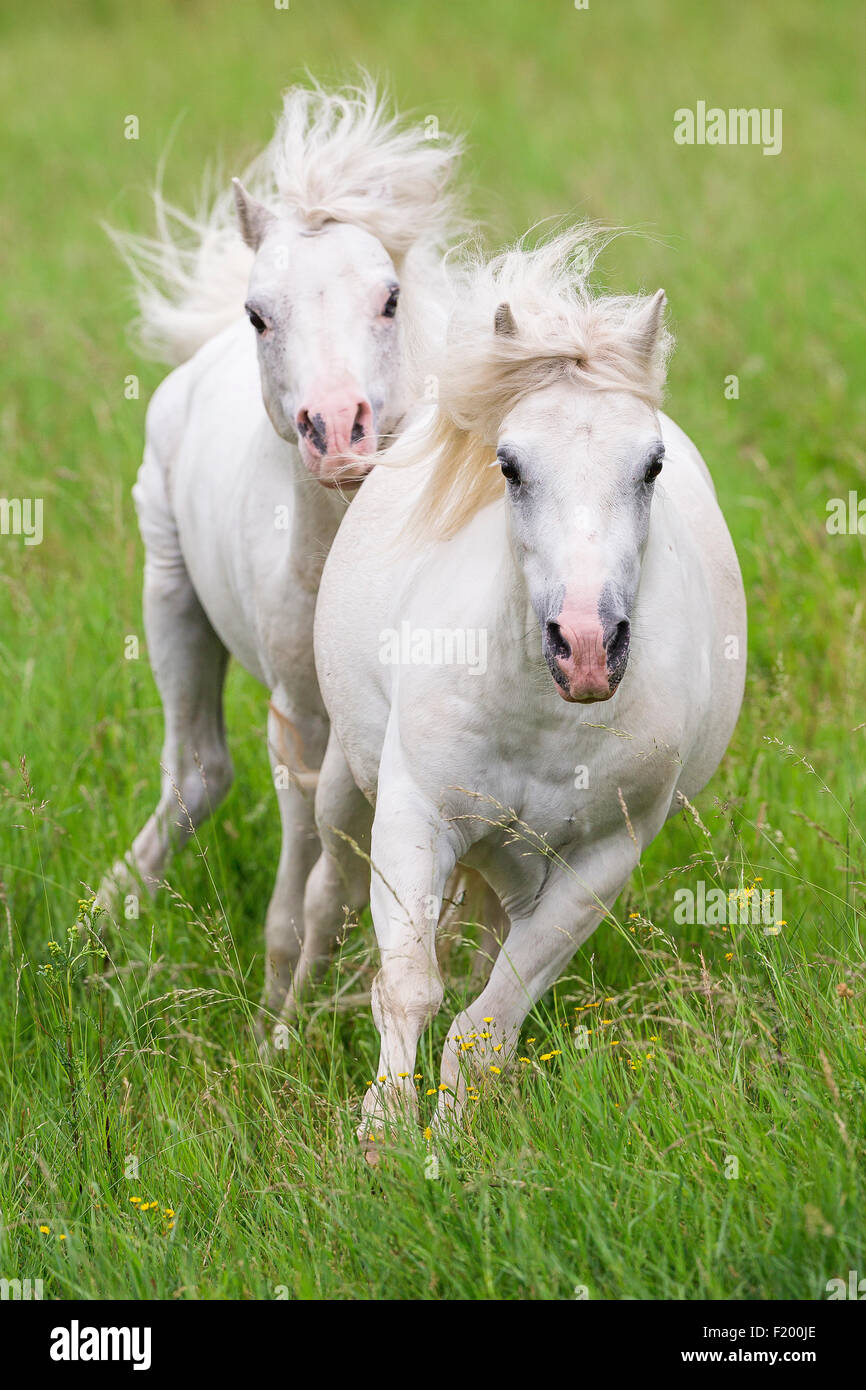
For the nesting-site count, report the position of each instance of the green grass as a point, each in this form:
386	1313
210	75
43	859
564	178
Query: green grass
603	1167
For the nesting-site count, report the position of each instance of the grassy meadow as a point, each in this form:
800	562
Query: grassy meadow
709	1141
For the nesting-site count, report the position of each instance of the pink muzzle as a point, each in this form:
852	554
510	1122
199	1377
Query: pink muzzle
335	423
587	652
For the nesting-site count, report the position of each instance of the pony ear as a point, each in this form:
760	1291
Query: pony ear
253	216
646	325
504	321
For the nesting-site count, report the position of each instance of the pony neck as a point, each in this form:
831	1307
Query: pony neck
316	515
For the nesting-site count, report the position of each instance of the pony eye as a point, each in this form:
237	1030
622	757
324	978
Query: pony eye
510	471
255	319
654	467
390	308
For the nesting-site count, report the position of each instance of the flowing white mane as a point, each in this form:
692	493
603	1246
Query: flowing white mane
335	156
517	323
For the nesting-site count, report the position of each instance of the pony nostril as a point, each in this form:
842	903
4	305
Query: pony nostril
313	430
363	422
557	643
616	645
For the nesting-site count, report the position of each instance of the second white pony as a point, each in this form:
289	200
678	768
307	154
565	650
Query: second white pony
336	251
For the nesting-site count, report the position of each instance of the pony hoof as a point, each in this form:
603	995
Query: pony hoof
271	1037
372	1144
117	885
109	897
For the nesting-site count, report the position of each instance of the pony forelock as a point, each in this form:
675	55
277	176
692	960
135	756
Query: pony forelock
345	156
555	329
341	156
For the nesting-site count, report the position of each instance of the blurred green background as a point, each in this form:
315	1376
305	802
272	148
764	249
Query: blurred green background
568	113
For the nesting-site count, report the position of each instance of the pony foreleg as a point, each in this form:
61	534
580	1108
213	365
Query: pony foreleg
412	854
341	875
482	1039
295	747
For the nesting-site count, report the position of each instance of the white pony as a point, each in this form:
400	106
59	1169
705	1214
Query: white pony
539	514
337	252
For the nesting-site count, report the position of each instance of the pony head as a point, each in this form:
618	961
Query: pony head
548	399
358	205
333	242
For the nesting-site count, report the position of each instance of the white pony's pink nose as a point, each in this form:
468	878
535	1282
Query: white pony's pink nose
335	420
587	653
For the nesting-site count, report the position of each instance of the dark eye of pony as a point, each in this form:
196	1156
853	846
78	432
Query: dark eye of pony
654	466
255	319
390	308
510	471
